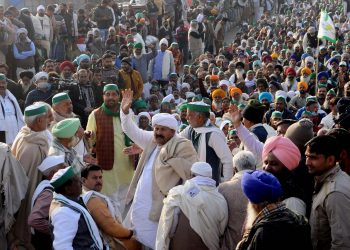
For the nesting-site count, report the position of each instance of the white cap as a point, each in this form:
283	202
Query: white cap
224	82
342	63
290	33
190	95
202	169
166	120
40	7
164	41
185	85
50	162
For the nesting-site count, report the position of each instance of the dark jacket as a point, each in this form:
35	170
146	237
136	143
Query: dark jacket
280	229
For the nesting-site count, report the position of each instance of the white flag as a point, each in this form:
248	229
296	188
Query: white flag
326	30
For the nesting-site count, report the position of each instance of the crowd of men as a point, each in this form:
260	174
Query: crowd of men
124	129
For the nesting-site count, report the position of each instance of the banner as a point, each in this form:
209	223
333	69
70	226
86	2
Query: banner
326	29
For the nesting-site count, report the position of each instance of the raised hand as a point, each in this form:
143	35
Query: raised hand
126	100
132	150
235	115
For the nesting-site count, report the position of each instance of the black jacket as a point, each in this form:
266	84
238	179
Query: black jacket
281	229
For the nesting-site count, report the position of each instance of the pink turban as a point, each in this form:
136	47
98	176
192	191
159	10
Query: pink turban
284	150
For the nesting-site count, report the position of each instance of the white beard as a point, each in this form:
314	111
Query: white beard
251	216
239	74
303	79
137	56
289	82
217	105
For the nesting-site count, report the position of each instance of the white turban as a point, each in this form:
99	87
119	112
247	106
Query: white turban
143	114
224	82
166	120
164	41
20	31
40	75
309	59
190	95
168	98
223	123
202	169
185	85
40	7
50	162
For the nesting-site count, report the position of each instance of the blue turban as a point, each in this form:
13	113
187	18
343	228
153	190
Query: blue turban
303	56
332	60
260	186
265	95
322	74
293	57
80	58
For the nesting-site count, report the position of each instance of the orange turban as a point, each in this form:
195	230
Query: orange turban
304	84
306	71
234	90
218	92
214	78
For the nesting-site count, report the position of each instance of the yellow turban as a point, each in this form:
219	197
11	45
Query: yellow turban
234	90
218	92
306	71
304	84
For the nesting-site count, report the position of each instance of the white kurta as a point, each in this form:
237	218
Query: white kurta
146	230
8	119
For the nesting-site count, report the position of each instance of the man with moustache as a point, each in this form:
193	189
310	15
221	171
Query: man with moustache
270	225
330	226
290	84
107	219
165	162
109	72
109	141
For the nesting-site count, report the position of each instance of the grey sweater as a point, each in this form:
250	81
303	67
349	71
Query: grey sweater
141	64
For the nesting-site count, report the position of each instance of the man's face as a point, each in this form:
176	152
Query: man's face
281	129
74	189
194	119
41	12
274	166
85	64
138	51
93	181
318	164
218	99
26	80
261	87
124	52
163	47
67	72
3	87
183	114
279	105
162	134
83	77
65	107
107	63
111	98
98	76
125	66
49	67
143	122
322	92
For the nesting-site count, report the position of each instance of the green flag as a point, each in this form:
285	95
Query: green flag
326	30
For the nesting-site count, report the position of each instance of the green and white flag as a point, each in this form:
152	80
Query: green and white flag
326	30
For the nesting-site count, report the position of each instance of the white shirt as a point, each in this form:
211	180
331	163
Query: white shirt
8	119
146	230
327	121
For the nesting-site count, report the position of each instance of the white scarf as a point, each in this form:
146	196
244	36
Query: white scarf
42	185
94	232
20	120
87	196
202	147
166	64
